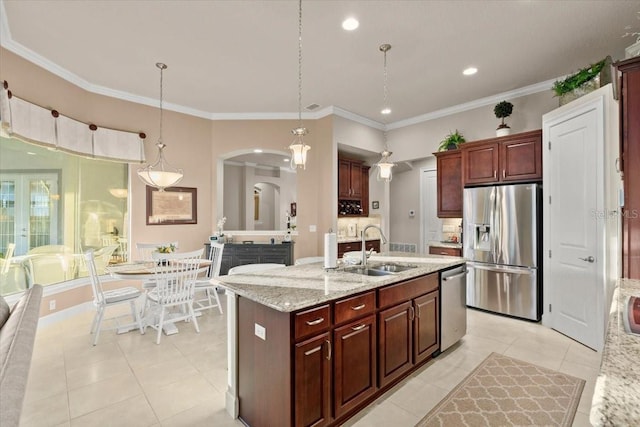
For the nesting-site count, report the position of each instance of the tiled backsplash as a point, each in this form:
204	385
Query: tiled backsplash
451	227
351	227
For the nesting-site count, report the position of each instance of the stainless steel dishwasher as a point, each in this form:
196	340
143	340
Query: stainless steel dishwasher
453	306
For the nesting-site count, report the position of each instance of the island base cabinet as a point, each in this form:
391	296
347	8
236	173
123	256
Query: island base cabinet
313	382
354	364
395	342
427	325
264	365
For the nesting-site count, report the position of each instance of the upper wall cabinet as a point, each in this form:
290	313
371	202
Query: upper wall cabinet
449	183
509	158
349	179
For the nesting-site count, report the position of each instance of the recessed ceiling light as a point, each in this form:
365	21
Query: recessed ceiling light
257	150
385	110
470	71
350	24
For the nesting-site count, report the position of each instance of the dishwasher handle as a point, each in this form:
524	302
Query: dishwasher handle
456	276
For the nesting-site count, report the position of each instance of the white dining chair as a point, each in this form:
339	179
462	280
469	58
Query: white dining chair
309	260
145	250
211	299
103	299
252	268
175	276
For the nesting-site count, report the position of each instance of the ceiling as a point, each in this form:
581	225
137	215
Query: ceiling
239	59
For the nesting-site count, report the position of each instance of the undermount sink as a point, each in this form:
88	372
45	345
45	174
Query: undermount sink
366	271
378	269
392	268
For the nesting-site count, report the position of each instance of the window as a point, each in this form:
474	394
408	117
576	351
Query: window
53	207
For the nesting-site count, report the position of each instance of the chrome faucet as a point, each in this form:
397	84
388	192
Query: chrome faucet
364	241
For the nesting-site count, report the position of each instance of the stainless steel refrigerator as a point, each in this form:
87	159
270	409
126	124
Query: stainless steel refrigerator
502	245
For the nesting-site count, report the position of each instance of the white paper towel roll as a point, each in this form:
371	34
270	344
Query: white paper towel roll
330	250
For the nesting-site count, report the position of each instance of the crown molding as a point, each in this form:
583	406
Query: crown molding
477	103
8	43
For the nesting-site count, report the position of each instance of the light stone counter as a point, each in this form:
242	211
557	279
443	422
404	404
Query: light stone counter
616	398
296	287
456	245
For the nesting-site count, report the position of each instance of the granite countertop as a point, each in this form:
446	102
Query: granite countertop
296	287
616	398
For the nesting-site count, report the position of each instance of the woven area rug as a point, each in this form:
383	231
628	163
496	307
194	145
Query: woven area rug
503	391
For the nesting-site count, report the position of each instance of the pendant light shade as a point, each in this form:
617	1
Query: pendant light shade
298	147
385	167
160	174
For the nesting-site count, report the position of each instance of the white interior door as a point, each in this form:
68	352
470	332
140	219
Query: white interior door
431	224
573	227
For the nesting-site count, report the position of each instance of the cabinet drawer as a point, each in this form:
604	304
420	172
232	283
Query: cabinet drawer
312	321
441	250
405	291
353	307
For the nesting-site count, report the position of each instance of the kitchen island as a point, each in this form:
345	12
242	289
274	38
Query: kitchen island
313	347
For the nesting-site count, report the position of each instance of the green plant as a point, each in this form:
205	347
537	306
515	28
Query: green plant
576	80
452	139
502	110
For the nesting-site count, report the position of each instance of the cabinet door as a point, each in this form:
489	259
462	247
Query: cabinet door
354	364
521	160
450	185
312	386
356	180
395	342
426	326
344	179
480	163
365	190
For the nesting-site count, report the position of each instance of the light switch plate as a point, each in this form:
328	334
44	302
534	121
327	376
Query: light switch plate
260	332
312	228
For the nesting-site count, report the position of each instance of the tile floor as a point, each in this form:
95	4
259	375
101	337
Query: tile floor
128	380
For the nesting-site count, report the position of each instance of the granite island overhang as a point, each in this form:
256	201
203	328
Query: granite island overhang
291	291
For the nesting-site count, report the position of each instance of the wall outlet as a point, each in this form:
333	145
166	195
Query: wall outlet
260	331
312	228
52	305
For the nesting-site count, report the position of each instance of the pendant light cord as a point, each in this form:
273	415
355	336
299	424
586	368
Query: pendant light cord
300	62
162	67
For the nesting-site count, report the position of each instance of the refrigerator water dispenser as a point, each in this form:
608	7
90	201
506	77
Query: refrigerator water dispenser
481	241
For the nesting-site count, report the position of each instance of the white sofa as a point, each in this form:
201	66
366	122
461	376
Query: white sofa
17	333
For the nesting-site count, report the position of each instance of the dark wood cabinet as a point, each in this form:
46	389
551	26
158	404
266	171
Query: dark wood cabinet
365	190
395	342
354	364
334	358
357	246
630	164
512	158
449	182
349	179
442	250
480	163
235	254
312	378
372	244
426	332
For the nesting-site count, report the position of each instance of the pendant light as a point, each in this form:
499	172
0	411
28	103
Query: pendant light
160	174
384	164
298	147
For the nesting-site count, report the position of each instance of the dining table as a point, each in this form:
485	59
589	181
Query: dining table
145	271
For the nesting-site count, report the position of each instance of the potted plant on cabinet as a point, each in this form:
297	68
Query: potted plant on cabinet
584	81
451	141
503	110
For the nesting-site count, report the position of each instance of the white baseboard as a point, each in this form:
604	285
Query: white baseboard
56	317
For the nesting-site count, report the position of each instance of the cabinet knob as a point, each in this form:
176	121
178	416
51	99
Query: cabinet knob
504	174
328	349
495	174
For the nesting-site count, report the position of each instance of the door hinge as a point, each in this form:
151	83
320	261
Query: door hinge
549	199
549	145
549	253
549	308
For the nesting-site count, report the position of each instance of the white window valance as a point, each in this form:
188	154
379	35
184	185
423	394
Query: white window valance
38	125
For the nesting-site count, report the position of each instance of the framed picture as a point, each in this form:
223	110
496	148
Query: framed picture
174	205
375	204
294	209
